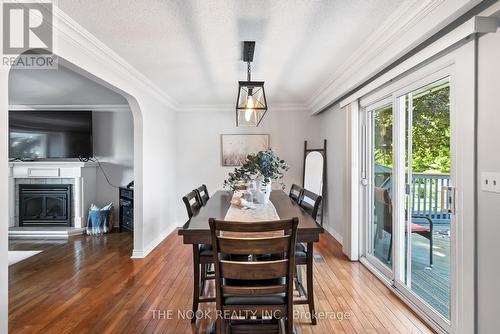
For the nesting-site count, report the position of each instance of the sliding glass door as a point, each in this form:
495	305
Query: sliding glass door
379	175
426	249
408	197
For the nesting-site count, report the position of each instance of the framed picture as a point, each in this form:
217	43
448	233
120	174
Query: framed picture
235	148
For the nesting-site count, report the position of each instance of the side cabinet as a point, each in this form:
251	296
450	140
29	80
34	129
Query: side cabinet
126	198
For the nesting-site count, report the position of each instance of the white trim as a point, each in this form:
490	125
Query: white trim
218	107
91	107
351	226
142	253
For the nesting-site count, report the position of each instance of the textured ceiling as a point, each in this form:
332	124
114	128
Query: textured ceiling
192	49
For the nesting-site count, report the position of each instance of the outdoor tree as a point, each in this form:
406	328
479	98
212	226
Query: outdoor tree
430	133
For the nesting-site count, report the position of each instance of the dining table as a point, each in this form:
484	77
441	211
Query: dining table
196	231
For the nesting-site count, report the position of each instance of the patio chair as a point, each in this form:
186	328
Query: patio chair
383	211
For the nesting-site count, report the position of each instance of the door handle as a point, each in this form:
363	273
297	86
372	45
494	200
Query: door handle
448	195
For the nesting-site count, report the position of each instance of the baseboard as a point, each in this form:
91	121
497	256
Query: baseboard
336	235
142	253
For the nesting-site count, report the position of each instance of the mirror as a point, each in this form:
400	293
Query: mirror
313	173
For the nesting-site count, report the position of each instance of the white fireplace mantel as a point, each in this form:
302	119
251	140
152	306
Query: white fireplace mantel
83	175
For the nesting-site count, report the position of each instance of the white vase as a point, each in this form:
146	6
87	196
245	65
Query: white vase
263	192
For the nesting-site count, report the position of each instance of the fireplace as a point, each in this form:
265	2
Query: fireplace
45	204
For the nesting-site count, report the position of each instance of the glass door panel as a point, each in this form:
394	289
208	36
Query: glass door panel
426	250
380	173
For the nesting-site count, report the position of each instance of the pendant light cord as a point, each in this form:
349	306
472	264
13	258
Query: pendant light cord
248	71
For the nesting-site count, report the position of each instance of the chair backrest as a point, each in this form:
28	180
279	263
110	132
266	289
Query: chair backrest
203	195
192	203
383	208
310	202
295	192
234	242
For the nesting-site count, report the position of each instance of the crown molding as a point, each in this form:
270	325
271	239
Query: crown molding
92	107
403	19
231	107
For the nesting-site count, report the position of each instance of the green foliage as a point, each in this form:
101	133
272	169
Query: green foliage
383	137
263	164
430	133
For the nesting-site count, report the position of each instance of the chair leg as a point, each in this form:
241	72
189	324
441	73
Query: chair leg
196	280
298	281
310	285
289	320
218	326
204	269
430	251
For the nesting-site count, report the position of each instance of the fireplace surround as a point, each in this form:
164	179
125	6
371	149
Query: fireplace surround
79	177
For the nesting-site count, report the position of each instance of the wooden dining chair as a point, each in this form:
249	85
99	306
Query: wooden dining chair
304	255
295	192
202	254
246	283
310	202
203	194
192	203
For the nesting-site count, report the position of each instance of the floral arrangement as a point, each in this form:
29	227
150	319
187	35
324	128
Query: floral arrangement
264	164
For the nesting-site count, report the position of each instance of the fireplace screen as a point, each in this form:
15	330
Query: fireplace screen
44	204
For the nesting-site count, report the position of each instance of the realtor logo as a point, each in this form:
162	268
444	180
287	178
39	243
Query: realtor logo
27	35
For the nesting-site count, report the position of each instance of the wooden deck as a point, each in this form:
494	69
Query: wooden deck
433	285
90	285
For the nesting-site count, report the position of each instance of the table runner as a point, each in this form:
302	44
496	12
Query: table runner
262	212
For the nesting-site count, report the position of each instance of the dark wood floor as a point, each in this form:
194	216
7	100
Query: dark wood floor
90	285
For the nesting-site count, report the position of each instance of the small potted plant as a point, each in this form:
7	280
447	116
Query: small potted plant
258	172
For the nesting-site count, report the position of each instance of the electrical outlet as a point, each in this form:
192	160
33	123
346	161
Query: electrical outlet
490	182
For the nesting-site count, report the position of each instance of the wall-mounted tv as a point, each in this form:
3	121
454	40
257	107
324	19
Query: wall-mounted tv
44	134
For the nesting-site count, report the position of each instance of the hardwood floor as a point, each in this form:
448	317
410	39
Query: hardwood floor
90	285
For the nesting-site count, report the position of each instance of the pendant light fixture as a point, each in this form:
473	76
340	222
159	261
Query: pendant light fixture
251	105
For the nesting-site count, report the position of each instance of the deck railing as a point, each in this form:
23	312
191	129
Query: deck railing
427	196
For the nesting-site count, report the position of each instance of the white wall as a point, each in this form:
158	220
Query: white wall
199	146
113	135
488	224
4	200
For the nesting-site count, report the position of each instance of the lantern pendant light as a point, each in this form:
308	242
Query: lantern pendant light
251	105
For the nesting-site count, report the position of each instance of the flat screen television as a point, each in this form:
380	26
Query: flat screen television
50	134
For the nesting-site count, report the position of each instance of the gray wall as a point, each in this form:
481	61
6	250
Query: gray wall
489	203
199	146
113	133
333	128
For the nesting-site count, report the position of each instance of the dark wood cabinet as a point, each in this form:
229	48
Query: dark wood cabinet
126	199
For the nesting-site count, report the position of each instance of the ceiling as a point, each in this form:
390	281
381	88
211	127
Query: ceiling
191	49
61	87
